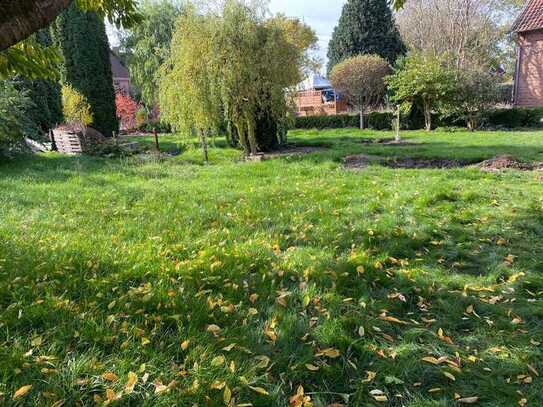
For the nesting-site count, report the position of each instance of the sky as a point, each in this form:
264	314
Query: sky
321	15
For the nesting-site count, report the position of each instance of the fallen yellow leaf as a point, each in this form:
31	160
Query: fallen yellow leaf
110	377
468	400
22	391
260	390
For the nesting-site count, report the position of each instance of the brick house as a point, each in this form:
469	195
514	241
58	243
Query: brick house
528	29
121	76
317	97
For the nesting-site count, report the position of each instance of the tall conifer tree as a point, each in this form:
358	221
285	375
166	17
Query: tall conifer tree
365	27
81	37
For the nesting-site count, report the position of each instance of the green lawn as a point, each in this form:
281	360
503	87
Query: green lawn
165	283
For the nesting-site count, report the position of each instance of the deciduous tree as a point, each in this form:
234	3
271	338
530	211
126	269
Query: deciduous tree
424	80
360	80
147	44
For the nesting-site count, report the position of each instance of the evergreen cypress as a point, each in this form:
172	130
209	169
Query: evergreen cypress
81	37
365	27
45	111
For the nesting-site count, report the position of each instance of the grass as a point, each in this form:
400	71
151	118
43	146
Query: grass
239	283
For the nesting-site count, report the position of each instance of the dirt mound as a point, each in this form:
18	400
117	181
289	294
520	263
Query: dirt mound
422	163
387	142
289	151
504	162
359	161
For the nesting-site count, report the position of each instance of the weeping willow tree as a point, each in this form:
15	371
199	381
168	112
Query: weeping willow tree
188	96
235	61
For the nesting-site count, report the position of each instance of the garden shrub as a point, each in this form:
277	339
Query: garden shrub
160	127
76	108
502	118
15	124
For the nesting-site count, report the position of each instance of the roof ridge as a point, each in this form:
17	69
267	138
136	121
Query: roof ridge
531	17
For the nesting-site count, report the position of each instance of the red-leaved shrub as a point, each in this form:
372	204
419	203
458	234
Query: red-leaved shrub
126	110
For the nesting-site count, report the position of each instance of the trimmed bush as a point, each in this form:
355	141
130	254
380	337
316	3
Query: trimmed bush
506	118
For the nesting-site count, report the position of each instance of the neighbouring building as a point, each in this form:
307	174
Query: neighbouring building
317	97
528	29
121	76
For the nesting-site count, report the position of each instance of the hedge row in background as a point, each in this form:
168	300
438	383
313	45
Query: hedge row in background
501	118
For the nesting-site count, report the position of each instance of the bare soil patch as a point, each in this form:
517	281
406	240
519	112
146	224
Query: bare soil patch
361	161
496	164
387	142
417	163
506	162
290	151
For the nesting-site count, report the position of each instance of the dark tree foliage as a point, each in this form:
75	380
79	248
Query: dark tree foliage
81	37
267	133
46	107
365	27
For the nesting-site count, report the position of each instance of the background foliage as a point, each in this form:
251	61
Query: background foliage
365	27
82	39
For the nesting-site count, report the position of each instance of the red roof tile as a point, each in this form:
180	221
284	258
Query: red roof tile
531	17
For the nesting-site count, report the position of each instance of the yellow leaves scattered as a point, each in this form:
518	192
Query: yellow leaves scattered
269	330
263	361
218	361
229	347
37	341
259	390
185	345
449	376
300	399
311	367
329	353
131	383
217	385
508	261
145	341
214	329
379	396
370	376
440	361
112	396
22	391
441	335
282	298
394	320
253	298
533	370
470	309
161	388
468	400
360	270
110	377
227	395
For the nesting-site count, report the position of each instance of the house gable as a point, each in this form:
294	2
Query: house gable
529	73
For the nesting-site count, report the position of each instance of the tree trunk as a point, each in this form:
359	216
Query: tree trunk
251	136
427	117
397	125
21	18
361	120
203	138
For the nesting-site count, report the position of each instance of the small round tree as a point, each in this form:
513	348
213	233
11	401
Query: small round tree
360	80
423	80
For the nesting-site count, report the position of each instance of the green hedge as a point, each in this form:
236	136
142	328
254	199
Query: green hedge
504	118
